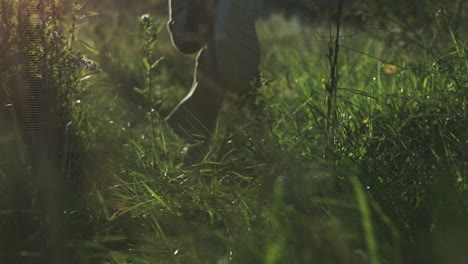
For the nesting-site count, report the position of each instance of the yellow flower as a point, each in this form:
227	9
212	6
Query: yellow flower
325	84
389	69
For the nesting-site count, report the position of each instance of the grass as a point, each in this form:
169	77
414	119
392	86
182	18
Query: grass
388	185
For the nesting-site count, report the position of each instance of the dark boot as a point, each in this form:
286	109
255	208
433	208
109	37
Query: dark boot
194	118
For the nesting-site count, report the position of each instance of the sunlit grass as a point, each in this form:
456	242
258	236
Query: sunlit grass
388	186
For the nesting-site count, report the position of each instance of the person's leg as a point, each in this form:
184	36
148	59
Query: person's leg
236	43
194	118
228	64
191	23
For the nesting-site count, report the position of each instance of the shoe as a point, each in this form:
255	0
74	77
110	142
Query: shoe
236	43
194	118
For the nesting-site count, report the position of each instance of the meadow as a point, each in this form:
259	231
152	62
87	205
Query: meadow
351	148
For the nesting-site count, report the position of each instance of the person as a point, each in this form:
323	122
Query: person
224	34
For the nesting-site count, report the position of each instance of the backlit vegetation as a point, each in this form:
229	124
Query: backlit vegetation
352	148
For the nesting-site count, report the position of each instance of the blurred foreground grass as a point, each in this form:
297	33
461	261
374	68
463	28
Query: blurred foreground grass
386	184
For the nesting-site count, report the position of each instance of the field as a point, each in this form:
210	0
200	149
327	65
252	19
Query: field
351	148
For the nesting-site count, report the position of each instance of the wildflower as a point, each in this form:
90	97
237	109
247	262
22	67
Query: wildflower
81	62
389	69
84	62
145	18
56	35
325	84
